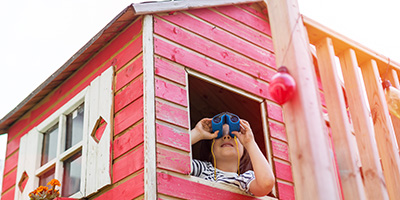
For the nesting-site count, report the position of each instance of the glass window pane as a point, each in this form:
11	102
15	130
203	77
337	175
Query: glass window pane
46	177
49	149
74	127
72	175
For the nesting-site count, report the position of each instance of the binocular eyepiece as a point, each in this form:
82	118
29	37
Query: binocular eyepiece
225	118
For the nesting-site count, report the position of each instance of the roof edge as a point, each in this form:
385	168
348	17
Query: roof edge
167	6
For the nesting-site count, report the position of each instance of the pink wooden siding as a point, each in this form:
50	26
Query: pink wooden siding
124	53
232	44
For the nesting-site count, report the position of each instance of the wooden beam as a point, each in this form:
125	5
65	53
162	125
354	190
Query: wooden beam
384	133
312	166
150	176
171	6
350	176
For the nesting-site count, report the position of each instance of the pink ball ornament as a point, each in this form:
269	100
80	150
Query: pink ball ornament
282	86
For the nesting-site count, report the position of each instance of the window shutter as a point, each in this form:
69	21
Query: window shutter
98	160
28	162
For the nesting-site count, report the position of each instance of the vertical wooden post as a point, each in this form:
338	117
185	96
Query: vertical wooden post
150	175
394	79
352	184
383	128
313	171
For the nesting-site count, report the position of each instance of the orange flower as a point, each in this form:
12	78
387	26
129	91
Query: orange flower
41	189
54	182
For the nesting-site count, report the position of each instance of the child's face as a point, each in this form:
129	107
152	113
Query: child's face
225	147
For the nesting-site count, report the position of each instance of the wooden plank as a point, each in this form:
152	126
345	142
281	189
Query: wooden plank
126	75
155	7
312	166
286	192
277	131
132	50
129	94
128	116
129	189
171	92
173	137
352	185
283	171
10	163
173	161
9	195
236	28
172	114
394	79
187	189
210	68
217	52
255	10
128	140
170	71
10	180
222	37
384	133
244	17
128	164
280	150
149	109
275	112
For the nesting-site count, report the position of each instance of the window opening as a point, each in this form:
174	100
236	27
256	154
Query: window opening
46	177
208	100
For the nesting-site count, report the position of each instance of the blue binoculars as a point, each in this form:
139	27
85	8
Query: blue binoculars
225	118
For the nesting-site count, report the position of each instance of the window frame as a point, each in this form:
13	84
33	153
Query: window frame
264	119
60	117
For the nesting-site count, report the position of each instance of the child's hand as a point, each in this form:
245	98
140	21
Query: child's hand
245	135
203	131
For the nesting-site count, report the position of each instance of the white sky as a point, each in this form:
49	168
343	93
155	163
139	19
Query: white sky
38	37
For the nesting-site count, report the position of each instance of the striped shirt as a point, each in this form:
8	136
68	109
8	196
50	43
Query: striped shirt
205	170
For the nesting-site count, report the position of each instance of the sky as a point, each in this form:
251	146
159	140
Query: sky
38	37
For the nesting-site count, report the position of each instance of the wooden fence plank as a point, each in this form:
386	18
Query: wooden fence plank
352	185
312	166
384	133
359	112
394	79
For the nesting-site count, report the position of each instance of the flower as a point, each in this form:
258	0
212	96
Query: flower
44	193
54	182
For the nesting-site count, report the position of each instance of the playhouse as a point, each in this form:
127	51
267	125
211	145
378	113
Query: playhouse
113	122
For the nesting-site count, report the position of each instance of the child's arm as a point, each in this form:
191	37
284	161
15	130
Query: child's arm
202	131
264	177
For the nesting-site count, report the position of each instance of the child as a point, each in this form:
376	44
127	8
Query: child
225	152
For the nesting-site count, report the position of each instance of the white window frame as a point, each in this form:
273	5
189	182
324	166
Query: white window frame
96	155
58	162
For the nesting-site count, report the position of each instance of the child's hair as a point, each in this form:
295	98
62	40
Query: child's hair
205	155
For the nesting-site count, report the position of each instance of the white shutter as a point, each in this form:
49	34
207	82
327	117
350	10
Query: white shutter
98	161
28	162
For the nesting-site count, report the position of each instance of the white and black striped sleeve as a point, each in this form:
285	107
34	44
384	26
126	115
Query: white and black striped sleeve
197	167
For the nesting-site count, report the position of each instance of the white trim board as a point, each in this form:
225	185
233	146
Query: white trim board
167	6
